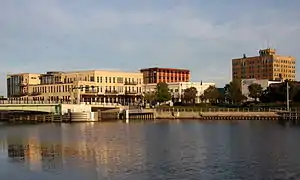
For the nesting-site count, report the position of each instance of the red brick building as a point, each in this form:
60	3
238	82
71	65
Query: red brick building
156	75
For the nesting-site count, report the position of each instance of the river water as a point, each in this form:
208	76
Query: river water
150	151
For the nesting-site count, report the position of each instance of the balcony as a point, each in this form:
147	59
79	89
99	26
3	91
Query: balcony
111	92
131	92
130	83
35	94
91	92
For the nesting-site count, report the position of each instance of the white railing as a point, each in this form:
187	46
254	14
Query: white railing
58	102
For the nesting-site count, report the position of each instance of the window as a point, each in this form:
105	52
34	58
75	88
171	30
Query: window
119	80
114	80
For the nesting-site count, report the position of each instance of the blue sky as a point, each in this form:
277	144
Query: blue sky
201	35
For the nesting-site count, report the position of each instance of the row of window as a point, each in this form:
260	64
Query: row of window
71	88
284	70
263	61
99	79
284	66
285	61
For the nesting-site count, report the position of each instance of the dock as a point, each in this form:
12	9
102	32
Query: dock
128	114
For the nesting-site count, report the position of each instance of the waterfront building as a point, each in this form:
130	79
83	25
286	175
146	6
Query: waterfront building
18	84
264	83
267	65
156	75
87	86
177	89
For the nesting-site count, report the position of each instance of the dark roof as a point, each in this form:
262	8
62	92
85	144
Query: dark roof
160	68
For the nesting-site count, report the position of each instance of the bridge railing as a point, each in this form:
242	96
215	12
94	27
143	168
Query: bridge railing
57	102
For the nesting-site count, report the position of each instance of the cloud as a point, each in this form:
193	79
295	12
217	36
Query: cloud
51	34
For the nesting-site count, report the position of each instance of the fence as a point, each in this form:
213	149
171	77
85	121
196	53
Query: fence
54	102
225	109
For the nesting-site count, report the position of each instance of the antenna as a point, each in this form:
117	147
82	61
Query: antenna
267	41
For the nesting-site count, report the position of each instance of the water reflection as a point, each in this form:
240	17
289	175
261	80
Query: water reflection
165	150
106	151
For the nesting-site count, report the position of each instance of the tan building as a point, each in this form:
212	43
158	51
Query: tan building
88	86
17	84
268	65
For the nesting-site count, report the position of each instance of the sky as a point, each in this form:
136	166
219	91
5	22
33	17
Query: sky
201	35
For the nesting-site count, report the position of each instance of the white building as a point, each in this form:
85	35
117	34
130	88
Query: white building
177	89
245	83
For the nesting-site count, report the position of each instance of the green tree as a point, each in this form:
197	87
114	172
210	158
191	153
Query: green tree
190	95
150	97
255	91
212	94
162	92
233	91
278	92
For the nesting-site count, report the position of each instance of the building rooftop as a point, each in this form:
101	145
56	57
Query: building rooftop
161	68
76	71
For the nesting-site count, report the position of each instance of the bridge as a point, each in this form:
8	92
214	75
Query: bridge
53	107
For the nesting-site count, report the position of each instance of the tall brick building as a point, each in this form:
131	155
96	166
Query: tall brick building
156	75
267	65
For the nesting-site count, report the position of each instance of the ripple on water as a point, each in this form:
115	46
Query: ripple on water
184	150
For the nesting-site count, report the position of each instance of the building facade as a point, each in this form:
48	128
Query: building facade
84	86
18	84
267	65
177	89
168	75
264	83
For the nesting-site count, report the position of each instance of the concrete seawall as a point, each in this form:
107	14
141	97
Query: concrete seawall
199	115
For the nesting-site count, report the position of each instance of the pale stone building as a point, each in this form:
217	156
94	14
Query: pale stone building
87	86
177	89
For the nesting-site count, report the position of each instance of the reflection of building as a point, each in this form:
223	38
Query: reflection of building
88	86
177	89
33	152
29	152
245	83
268	65
156	75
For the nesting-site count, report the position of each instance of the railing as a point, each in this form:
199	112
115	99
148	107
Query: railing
131	92
90	92
225	109
111	92
57	102
35	94
130	83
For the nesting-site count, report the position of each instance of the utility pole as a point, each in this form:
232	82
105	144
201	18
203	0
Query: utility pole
287	96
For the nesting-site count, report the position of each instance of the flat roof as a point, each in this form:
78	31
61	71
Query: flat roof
161	68
49	73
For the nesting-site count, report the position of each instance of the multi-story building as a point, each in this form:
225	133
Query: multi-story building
177	89
268	65
86	86
17	84
156	75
